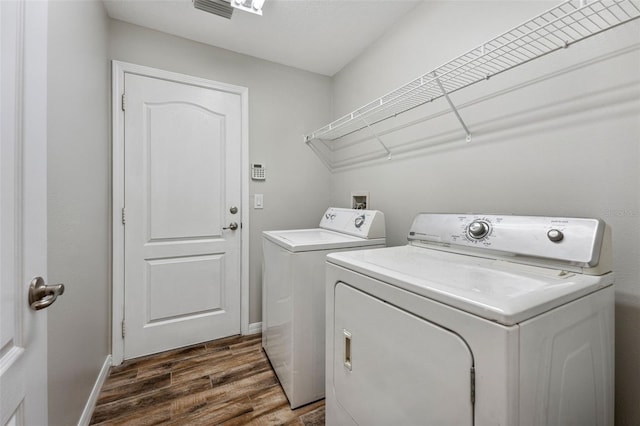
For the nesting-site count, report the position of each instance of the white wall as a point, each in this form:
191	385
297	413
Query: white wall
283	104
558	136
78	203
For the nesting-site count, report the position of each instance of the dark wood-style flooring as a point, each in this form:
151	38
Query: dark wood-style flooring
223	382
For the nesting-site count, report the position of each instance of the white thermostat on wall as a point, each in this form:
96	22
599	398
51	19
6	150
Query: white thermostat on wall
258	171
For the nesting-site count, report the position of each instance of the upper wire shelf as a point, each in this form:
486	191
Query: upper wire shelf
568	23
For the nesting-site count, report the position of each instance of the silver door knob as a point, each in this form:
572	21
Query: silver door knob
233	226
41	295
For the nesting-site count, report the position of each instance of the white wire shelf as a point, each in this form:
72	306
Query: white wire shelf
568	23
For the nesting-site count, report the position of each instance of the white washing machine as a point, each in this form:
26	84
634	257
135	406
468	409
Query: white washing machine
479	320
293	283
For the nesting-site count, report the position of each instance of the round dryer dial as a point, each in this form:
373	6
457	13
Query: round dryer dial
555	235
359	221
478	229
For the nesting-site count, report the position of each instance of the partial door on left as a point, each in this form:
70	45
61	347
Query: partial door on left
23	211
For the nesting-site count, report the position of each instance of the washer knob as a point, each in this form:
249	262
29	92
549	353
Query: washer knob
359	221
555	235
478	229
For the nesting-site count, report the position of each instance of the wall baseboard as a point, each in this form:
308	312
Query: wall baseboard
85	418
254	328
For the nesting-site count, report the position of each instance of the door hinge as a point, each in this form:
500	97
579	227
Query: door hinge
124	220
473	385
123	329
123	102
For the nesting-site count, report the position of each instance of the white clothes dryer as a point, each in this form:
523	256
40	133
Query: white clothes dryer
479	320
293	283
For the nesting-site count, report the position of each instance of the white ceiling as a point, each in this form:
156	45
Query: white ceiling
321	36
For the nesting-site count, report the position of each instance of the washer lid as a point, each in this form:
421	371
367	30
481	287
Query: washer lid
317	239
497	290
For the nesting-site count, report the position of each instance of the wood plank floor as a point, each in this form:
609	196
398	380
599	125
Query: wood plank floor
223	382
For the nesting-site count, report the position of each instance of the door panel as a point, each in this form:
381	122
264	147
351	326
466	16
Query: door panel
23	207
202	289
391	367
184	162
182	175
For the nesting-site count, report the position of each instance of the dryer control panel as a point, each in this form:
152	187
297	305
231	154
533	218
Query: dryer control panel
576	241
360	223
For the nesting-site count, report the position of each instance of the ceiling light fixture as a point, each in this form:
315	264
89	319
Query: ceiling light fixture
253	6
217	7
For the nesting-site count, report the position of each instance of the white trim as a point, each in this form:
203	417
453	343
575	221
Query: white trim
117	197
254	328
118	72
244	256
85	418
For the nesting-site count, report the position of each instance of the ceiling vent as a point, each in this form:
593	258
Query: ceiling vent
217	7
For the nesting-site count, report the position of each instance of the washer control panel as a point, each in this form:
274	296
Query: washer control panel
360	223
573	240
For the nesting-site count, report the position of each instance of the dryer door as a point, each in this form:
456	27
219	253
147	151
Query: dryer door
392	367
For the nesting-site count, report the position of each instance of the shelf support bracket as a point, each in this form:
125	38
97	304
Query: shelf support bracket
320	154
453	107
375	135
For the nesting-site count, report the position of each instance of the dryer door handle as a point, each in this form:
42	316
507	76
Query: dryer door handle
347	349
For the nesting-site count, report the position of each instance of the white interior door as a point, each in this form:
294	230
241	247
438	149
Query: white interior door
23	217
182	237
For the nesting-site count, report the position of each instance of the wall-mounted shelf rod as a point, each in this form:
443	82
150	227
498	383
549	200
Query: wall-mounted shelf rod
557	28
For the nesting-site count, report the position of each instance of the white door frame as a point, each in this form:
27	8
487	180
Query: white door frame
118	73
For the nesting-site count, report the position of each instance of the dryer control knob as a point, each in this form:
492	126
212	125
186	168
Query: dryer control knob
555	235
478	229
359	221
